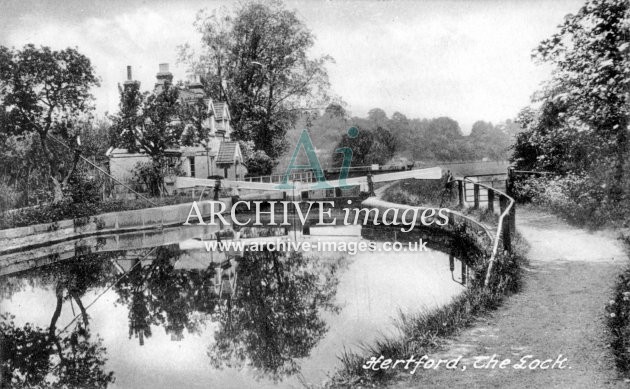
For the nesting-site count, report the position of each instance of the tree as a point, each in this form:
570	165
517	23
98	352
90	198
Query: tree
377	115
489	141
47	92
549	145
123	132
257	60
590	82
148	124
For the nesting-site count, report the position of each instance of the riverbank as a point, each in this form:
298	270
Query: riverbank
559	311
422	333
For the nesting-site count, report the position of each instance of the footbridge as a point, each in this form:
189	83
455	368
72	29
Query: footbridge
310	186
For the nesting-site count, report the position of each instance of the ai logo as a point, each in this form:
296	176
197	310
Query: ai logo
313	162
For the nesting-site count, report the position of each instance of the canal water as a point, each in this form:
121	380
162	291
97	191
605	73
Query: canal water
157	310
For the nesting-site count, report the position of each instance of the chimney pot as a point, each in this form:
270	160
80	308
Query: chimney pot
129	76
163	76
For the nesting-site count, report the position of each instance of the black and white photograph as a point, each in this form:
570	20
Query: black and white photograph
314	194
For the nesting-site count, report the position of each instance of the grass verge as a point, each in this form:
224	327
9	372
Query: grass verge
618	319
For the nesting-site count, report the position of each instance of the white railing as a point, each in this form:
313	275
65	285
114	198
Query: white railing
500	226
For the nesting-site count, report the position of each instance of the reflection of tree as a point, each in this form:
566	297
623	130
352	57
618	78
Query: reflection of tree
34	357
159	294
274	317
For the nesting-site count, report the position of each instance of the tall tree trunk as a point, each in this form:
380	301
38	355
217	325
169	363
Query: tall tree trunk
56	185
73	168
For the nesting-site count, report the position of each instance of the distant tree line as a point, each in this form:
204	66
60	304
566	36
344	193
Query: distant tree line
383	140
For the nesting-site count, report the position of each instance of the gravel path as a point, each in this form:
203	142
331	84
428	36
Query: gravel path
560	311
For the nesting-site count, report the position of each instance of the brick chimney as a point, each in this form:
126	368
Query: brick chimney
195	84
163	76
130	81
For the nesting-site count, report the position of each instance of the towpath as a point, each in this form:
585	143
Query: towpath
559	311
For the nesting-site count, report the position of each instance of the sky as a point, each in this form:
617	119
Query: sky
470	60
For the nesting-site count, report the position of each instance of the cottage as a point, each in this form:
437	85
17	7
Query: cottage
215	156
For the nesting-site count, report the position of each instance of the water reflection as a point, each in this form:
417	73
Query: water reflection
159	294
272	315
33	356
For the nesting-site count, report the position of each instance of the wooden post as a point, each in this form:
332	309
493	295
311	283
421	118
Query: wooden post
491	200
476	195
509	189
460	189
370	184
217	189
513	217
509	182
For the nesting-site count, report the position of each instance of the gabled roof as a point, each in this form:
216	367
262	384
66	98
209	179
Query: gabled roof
228	153
221	110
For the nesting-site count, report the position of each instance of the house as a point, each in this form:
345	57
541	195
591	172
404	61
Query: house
215	156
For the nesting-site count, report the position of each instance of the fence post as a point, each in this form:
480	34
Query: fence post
370	184
476	195
509	182
513	217
460	189
217	189
491	200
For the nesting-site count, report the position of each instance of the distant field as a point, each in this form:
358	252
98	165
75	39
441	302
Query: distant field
469	168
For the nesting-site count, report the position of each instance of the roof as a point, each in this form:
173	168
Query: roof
227	153
190	95
222	127
221	111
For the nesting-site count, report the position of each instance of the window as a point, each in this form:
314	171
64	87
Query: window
191	160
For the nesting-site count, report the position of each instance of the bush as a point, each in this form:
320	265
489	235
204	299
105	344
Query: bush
259	164
422	193
85	189
147	176
580	198
9	197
